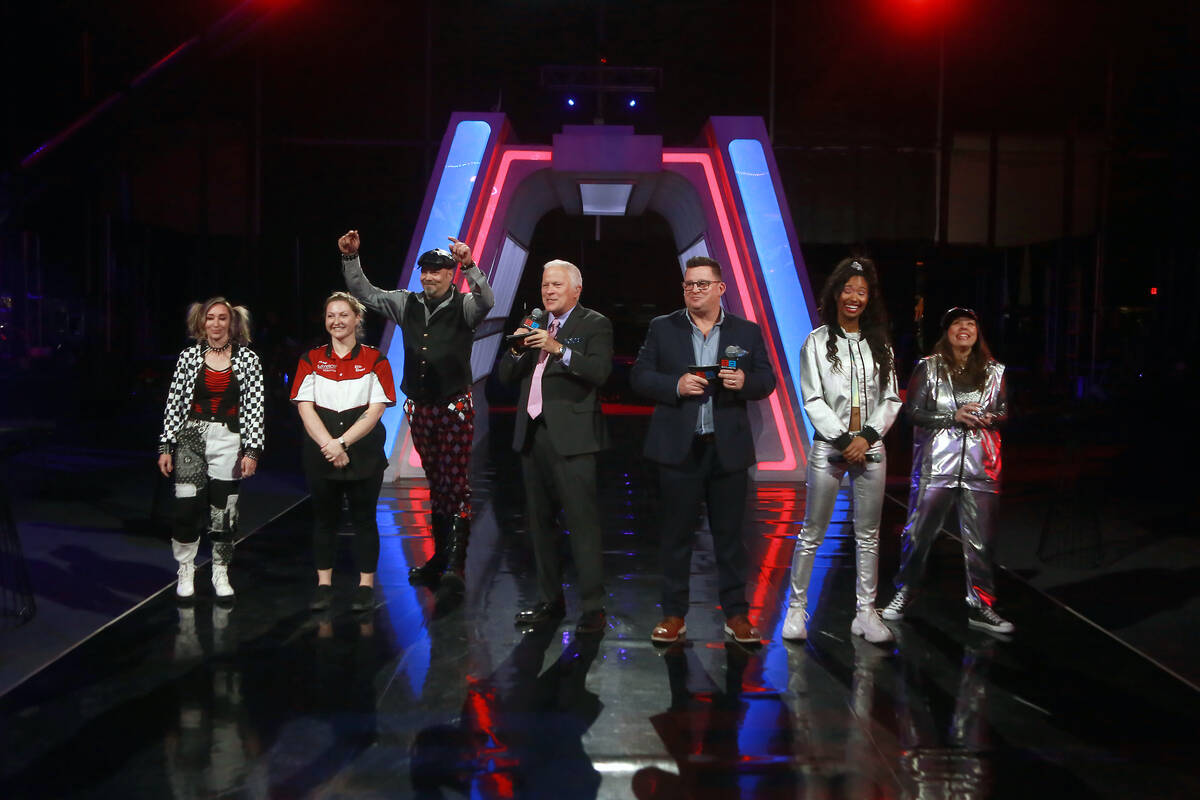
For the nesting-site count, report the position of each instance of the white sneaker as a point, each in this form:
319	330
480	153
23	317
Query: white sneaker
895	609
220	581
868	625
794	624
186	586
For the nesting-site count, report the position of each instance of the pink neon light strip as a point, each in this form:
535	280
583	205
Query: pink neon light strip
704	160
497	189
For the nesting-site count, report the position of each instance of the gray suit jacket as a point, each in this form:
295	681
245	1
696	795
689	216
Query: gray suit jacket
570	393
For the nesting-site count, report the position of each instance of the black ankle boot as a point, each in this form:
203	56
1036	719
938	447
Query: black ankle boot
431	570
452	581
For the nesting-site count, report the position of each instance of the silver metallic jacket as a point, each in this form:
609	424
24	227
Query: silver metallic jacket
826	392
947	454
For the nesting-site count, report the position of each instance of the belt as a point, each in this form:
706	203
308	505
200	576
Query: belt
707	438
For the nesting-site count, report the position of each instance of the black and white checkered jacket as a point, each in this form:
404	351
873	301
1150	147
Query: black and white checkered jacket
251	404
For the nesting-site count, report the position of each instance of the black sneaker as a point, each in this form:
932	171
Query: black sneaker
895	609
364	599
985	618
322	598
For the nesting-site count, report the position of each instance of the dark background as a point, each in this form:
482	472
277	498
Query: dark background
230	165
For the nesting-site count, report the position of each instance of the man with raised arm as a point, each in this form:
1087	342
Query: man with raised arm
438	325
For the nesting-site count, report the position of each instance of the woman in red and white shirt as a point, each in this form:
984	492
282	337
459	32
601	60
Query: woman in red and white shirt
341	390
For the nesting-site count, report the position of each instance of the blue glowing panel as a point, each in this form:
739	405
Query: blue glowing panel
774	253
698	248
446	215
454	189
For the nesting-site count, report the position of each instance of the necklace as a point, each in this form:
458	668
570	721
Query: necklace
220	349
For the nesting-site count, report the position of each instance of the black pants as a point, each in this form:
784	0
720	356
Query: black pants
553	481
700	477
363	496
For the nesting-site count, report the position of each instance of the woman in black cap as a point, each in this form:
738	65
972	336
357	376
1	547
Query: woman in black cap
957	402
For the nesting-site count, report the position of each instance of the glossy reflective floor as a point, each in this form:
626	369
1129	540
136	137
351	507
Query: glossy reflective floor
266	699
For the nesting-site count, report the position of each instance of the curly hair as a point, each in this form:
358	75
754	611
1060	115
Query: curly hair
975	372
874	319
239	320
355	305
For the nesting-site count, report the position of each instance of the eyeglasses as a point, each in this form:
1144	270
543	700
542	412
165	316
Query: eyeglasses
692	286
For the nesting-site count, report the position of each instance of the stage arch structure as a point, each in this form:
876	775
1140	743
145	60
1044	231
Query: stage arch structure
723	198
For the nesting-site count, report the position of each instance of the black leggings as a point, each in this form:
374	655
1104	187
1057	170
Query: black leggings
362	496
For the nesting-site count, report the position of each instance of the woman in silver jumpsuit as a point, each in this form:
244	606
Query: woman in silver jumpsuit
849	395
957	401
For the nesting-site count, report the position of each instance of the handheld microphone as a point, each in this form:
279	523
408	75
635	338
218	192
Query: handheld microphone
532	320
732	354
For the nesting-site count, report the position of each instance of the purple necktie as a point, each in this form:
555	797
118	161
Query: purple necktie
535	388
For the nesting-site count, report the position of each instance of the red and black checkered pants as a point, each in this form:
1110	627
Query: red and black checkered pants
443	433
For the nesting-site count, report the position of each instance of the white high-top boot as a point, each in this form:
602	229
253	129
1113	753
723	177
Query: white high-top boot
185	554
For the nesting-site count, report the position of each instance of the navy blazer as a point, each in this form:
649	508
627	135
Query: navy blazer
665	357
570	392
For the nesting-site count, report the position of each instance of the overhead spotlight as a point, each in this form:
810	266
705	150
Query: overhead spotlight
571	102
633	102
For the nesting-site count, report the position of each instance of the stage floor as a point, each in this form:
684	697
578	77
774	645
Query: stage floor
266	699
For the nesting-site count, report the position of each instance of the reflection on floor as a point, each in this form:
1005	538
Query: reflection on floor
265	699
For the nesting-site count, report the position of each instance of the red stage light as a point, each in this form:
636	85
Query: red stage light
1153	290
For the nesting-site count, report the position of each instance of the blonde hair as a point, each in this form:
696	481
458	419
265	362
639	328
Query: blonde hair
239	320
355	305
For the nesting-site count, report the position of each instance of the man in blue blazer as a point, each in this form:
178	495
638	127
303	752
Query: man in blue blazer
700	437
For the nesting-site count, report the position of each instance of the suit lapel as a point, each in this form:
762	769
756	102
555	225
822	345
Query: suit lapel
572	323
683	328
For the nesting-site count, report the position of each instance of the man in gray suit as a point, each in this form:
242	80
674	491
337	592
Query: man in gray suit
559	429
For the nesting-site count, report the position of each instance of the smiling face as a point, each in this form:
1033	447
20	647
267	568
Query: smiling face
436	282
852	301
963	333
216	324
702	290
341	322
558	295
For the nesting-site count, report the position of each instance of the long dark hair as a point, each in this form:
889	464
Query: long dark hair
874	320
975	373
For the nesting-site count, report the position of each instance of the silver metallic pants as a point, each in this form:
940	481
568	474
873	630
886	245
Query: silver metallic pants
824	478
927	509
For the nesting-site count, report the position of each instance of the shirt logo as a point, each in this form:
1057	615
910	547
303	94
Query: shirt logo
325	366
359	368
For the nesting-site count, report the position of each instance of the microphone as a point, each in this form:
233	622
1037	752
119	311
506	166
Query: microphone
532	320
732	354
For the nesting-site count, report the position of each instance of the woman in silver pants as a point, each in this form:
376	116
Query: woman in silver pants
849	394
957	401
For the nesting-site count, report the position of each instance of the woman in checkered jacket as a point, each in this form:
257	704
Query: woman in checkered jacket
212	435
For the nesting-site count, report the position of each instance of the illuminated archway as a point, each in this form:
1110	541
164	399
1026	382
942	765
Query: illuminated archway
723	199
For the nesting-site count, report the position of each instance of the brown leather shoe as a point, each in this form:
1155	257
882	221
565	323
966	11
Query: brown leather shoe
669	630
739	628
